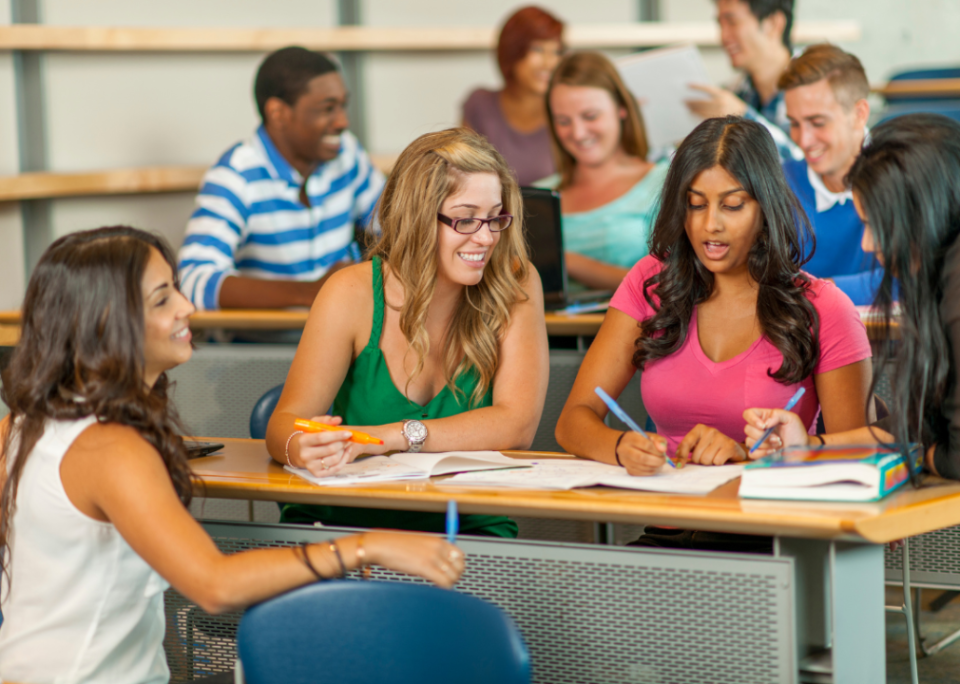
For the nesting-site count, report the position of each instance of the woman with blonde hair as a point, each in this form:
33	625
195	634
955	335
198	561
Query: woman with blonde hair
609	192
436	343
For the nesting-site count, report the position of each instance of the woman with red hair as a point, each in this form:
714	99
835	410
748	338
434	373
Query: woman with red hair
514	119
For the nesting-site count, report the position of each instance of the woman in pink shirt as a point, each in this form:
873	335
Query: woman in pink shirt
719	316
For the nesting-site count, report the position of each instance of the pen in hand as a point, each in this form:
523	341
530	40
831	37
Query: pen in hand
769	431
625	417
355	435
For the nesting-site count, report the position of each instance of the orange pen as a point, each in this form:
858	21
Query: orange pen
358	437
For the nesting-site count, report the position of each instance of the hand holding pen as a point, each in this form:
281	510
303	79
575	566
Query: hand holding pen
640	452
323	446
787	421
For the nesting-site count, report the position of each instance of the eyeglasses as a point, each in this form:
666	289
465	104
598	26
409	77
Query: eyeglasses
468	226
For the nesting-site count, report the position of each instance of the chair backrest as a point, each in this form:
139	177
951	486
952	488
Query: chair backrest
352	631
262	410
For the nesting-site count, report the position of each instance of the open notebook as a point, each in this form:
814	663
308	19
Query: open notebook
407	466
569	474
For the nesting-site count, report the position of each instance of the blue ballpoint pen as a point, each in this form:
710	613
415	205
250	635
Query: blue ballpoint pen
625	417
453	521
766	433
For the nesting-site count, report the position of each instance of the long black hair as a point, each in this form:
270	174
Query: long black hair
907	180
746	151
81	353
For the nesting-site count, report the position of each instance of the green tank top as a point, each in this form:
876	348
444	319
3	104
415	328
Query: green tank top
368	396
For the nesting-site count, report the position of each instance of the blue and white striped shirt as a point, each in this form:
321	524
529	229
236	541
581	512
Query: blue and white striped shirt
249	219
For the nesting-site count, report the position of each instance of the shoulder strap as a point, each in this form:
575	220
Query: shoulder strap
378	303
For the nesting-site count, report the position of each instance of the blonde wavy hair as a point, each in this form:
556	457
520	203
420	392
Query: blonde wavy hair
432	168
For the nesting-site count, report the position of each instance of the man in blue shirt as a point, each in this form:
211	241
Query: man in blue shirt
825	90
756	37
276	215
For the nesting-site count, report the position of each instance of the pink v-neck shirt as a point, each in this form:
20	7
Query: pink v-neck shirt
687	388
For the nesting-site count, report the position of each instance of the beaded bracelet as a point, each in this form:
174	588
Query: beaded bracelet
305	557
336	550
286	448
615	454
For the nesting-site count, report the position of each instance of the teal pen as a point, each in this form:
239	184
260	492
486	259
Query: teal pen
453	521
625	417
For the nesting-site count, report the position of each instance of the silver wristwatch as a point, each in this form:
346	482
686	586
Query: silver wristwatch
415	433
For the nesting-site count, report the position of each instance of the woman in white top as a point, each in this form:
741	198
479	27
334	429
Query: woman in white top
92	517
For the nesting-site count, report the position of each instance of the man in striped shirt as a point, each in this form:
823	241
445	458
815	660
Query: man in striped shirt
276	214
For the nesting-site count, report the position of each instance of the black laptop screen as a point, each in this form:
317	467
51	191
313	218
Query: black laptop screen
541	217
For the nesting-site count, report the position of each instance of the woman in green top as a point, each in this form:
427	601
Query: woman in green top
609	192
437	343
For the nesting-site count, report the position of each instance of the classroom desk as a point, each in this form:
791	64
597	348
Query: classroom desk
830	578
559	325
284	319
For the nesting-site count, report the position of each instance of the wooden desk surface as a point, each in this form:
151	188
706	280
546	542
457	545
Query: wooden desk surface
282	319
244	470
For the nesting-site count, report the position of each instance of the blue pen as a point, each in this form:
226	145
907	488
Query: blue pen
769	431
622	415
453	521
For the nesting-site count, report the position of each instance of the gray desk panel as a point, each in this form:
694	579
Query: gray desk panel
588	613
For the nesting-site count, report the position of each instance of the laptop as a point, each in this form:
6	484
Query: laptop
541	218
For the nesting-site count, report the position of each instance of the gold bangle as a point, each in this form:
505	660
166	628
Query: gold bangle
286	448
362	558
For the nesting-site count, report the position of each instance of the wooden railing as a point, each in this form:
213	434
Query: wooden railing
151	179
375	38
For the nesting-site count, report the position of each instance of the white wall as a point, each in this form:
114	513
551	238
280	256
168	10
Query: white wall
120	109
411	94
12	274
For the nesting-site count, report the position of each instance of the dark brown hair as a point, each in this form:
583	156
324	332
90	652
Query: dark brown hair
843	72
81	353
593	70
746	151
523	27
905	180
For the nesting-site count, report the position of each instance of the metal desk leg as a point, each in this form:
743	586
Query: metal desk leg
840	607
857	597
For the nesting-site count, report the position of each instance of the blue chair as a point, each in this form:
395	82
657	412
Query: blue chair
353	632
898	105
262	410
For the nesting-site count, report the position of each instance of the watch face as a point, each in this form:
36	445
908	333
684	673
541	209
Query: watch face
415	431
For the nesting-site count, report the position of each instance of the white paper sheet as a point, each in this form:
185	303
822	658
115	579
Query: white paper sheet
560	474
659	80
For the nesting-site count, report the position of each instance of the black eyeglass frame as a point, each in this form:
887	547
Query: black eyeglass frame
453	223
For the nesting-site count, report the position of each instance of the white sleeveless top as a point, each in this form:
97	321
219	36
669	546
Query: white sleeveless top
81	605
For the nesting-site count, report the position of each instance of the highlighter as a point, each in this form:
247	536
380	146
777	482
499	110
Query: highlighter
355	436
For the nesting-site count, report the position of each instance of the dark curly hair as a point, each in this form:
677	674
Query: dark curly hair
81	354
746	151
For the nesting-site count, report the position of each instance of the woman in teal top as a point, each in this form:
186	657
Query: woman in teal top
437	343
609	192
